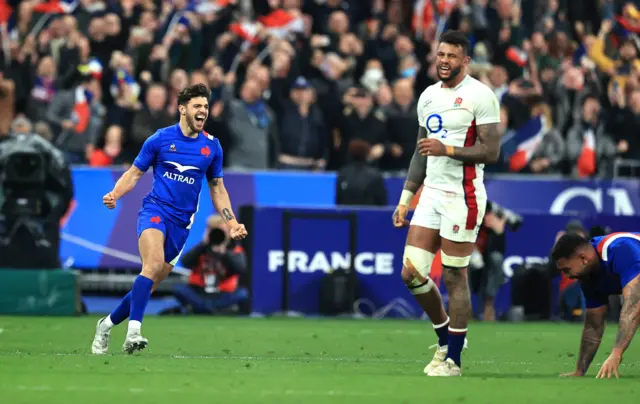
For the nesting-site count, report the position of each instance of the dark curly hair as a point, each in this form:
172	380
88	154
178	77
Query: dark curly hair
194	91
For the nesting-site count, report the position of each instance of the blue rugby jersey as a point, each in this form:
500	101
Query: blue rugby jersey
179	163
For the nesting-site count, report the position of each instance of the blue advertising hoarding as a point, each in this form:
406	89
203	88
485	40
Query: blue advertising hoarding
319	245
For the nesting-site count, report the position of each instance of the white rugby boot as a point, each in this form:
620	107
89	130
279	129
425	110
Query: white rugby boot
100	344
134	342
439	356
448	368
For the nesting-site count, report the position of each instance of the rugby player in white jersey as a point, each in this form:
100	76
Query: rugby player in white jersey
457	135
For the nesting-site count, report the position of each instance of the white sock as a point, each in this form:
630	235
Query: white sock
134	327
107	323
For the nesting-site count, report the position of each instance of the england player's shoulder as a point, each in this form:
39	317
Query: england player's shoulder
477	89
429	93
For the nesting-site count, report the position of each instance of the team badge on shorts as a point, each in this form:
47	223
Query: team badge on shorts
458	102
456	228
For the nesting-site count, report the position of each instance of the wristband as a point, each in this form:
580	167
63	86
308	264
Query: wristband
406	197
449	150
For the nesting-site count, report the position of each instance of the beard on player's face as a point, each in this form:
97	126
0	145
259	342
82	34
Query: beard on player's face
447	73
196	120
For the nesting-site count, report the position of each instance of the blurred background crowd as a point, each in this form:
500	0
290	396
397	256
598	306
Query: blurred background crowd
321	84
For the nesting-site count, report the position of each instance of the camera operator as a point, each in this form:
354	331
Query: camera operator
487	274
36	190
216	264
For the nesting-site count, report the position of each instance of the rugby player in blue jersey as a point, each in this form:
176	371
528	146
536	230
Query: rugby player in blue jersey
181	156
607	265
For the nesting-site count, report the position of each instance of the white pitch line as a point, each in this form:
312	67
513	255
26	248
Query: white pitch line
309	358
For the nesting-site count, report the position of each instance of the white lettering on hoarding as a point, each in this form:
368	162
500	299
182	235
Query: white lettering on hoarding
366	263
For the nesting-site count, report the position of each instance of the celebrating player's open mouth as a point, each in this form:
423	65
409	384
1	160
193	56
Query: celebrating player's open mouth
199	119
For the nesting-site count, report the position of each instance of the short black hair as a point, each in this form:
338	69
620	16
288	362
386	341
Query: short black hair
567	245
456	38
194	91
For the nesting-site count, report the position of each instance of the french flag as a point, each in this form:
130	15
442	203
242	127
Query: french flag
82	110
280	23
527	139
517	56
246	30
424	14
587	159
56	7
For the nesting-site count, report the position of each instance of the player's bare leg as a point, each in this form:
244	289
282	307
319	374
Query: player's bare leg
100	345
455	260
151	245
421	247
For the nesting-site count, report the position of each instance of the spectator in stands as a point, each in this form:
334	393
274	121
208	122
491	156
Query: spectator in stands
111	152
589	149
362	120
252	127
77	117
358	183
303	133
548	151
624	123
43	90
151	117
402	126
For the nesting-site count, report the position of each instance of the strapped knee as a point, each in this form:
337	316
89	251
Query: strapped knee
454	262
421	261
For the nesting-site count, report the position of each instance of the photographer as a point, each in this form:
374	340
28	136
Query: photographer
217	263
487	274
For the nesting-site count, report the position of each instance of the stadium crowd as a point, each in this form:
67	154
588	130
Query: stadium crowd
294	81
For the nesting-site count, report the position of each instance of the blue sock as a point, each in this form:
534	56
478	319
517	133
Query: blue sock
456	342
442	332
120	313
140	293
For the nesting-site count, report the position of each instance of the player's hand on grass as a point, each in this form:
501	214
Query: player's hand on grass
400	216
610	367
431	147
109	200
238	232
575	373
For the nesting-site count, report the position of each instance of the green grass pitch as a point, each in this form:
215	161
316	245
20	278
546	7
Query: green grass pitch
276	360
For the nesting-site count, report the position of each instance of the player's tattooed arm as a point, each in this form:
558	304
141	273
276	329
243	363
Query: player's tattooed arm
417	167
485	151
629	316
221	200
592	332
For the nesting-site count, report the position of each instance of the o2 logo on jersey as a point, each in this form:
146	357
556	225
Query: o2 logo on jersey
434	125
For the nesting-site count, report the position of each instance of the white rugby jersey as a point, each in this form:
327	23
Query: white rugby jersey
451	116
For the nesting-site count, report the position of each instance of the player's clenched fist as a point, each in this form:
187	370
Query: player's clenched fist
400	216
431	147
109	200
238	232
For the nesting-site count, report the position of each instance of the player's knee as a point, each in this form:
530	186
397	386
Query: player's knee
152	270
416	268
452	262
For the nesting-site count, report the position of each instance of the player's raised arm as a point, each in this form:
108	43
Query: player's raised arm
415	178
592	332
130	178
